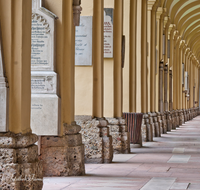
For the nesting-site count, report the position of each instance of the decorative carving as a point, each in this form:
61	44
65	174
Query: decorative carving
76	12
42	20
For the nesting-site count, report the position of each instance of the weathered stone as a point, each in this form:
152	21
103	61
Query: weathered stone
10	140
120	135
71	129
64	155
19	166
97	139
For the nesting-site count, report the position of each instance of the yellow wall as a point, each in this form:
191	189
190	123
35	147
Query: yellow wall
84	76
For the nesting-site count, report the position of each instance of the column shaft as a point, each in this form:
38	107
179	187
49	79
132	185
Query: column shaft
170	91
152	66
15	19
132	58
144	92
67	67
165	87
161	87
118	32
98	57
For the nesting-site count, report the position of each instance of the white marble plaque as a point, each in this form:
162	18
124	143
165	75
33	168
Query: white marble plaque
45	103
43	83
4	109
42	44
45	114
108	33
4	95
83	41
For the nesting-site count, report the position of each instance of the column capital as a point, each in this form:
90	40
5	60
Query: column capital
159	12
152	5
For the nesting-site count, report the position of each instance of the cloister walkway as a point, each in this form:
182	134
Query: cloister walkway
170	162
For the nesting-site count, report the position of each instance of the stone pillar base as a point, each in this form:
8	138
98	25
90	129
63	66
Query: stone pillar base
19	165
169	121
64	155
173	119
156	129
96	138
150	128
145	126
180	114
120	135
177	118
160	124
163	117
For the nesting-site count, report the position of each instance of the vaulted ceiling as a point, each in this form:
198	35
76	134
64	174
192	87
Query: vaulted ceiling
185	14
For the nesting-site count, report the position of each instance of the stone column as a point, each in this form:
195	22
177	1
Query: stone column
165	87
144	89
153	53
19	165
98	57
66	148
118	32
132	58
170	91
161	86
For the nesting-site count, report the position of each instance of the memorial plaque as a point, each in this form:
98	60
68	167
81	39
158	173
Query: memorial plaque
4	95
108	33
43	83
45	112
42	44
45	103
83	41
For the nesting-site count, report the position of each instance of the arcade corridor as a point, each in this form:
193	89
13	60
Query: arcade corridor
170	162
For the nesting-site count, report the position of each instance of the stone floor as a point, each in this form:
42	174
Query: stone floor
171	162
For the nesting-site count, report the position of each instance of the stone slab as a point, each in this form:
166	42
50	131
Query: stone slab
83	42
45	114
179	186
4	109
108	33
178	150
122	157
43	82
159	183
179	159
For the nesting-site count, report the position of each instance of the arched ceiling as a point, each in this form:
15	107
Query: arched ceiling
185	14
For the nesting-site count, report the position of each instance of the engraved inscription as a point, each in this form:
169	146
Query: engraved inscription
83	42
36	106
108	32
42	84
40	42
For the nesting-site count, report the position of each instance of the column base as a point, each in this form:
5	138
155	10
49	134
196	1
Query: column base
96	138
163	116
64	155
169	121
156	129
120	135
19	165
150	128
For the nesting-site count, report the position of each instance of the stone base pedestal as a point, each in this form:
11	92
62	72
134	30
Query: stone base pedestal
64	155
177	118
156	129
19	165
163	116
120	135
150	128
180	114
145	126
169	121
96	138
160	128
